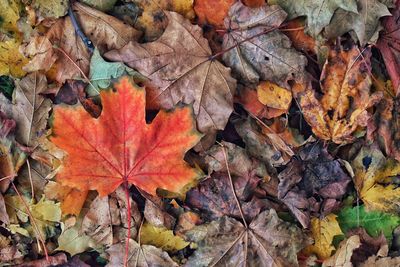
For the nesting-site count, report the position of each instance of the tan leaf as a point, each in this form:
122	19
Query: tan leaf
181	70
256	51
139	255
31	108
268	241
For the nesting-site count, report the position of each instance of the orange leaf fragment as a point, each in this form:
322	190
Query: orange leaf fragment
119	147
212	11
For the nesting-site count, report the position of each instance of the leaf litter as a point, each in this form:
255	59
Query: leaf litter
199	133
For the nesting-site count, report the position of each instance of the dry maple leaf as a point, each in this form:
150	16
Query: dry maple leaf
181	69
345	83
267	241
256	50
120	147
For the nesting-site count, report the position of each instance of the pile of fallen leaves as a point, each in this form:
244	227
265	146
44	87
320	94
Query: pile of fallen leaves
199	133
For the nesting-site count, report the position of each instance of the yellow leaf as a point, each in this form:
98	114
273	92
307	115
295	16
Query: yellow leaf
323	232
372	174
11	60
9	15
45	213
161	237
46	210
273	95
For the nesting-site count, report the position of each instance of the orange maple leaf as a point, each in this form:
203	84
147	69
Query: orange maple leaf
119	147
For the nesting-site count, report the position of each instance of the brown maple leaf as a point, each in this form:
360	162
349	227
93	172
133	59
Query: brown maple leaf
256	50
181	69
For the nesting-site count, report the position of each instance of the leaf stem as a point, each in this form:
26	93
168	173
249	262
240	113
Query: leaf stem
232	186
128	235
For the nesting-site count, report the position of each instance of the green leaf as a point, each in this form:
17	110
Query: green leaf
373	222
7	86
101	73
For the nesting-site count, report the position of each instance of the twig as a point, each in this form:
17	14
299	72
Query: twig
232	186
79	31
30	178
35	227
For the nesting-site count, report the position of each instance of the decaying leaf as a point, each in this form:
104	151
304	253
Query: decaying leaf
31	109
373	179
268	241
154	17
312	183
3	212
180	67
359	250
389	45
365	23
256	51
319	12
387	122
120	147
262	143
139	256
345	83
215	198
323	231
11	156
